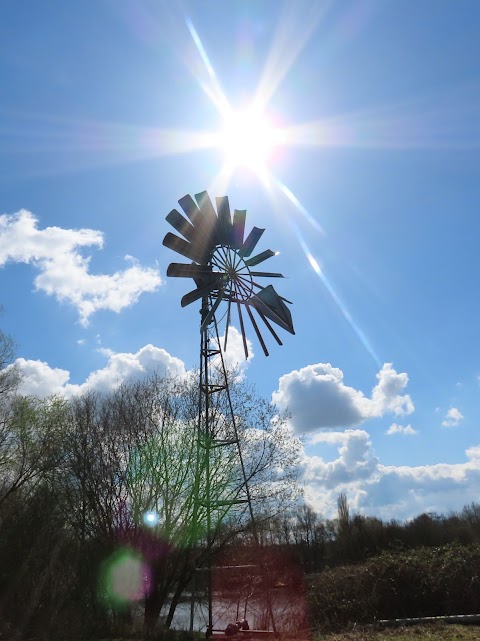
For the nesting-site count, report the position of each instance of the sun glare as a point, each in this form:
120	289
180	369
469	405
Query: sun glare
249	139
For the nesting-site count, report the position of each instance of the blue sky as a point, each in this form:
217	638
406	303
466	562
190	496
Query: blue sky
108	110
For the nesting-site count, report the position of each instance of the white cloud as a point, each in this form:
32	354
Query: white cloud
64	272
317	397
126	367
234	356
473	453
105	351
453	417
372	488
387	394
356	460
39	379
386	491
395	428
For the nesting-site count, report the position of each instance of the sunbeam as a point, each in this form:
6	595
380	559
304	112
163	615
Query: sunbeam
295	28
87	144
305	215
298	205
444	121
336	298
211	85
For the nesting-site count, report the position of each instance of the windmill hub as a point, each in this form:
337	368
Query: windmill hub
236	276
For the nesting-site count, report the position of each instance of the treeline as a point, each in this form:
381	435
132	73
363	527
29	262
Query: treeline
318	543
101	504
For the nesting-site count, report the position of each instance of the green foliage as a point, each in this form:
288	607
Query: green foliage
30	436
413	583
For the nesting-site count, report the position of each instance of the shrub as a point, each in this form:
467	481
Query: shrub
412	583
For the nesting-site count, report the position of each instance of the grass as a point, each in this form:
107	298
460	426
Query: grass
432	632
435	631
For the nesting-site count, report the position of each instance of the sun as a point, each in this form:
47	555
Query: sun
249	139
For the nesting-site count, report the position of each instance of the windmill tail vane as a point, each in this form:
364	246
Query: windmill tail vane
223	268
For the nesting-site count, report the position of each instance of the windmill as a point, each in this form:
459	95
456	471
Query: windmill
224	272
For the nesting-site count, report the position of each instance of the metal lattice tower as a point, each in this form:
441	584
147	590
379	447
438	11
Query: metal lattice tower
222	269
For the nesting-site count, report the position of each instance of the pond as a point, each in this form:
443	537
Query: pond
289	612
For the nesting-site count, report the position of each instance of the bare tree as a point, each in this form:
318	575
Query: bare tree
133	452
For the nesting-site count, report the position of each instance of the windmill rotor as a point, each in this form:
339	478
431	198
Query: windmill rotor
223	268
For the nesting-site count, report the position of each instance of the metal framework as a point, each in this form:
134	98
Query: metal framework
222	269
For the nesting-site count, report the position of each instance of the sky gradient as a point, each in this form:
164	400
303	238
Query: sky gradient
110	111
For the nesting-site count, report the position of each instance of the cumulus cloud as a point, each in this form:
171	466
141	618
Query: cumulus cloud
387	394
453	417
317	397
386	491
356	460
39	379
473	453
126	367
64	271
234	356
395	428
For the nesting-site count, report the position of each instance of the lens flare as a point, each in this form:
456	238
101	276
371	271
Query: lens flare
151	518
248	138
124	578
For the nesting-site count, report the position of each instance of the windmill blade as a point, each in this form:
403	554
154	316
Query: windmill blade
257	331
272	331
206	207
270	304
242	328
195	294
182	225
190	208
228	324
259	258
182	247
239	216
208	318
267	274
251	242
180	270
224	227
205	235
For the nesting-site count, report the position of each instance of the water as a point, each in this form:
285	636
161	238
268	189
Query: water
289	612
